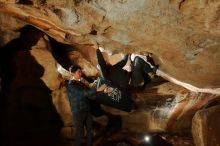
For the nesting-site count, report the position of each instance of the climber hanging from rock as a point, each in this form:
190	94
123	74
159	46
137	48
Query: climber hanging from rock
141	66
120	80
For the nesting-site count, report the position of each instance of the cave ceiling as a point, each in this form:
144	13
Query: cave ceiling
184	36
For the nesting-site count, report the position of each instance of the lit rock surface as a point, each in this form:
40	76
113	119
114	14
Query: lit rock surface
163	107
204	127
182	35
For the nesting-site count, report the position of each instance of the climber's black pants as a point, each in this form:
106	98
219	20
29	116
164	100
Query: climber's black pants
140	70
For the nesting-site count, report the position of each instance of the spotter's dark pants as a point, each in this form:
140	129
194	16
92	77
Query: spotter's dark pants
83	118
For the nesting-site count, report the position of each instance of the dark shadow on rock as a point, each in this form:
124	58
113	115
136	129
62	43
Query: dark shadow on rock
114	121
60	53
25	2
1	38
212	102
122	142
29	117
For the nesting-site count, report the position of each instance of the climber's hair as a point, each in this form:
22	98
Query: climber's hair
74	68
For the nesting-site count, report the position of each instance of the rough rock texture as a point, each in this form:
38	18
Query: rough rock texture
163	107
183	35
204	127
8	28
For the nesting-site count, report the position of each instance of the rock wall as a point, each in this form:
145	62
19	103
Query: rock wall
183	35
29	83
205	125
